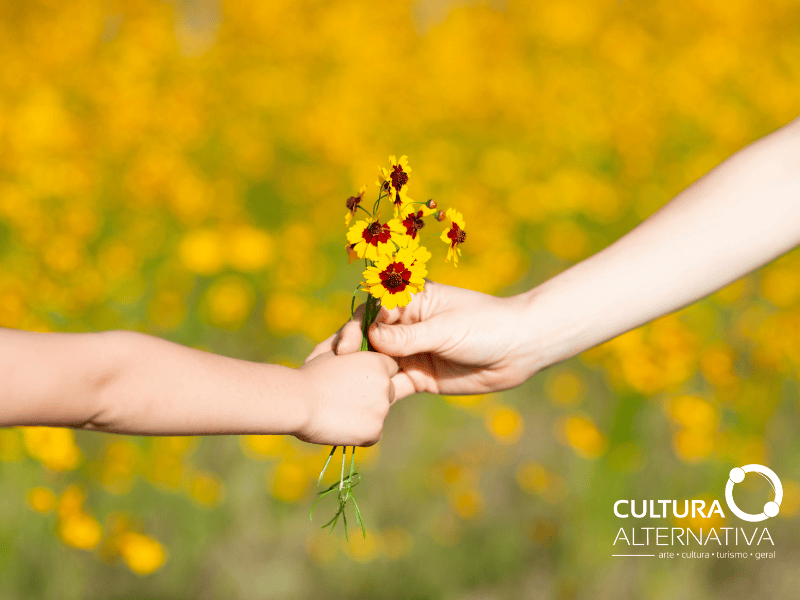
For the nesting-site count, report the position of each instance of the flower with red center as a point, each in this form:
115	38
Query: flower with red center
413	223
454	235
411	220
395	182
393	279
369	239
352	204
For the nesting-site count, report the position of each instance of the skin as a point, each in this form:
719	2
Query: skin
739	216
125	382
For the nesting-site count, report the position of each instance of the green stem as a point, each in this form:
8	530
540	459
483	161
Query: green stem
360	519
377	203
425	241
402	208
341	479
371	310
327	462
353	305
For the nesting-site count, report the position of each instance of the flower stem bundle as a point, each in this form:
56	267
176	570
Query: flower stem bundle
395	268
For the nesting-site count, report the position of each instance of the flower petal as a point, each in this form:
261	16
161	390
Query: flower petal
389	301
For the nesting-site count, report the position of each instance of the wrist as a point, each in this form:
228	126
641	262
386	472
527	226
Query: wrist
548	331
525	353
301	421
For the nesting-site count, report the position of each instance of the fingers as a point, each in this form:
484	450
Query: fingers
404	340
431	301
325	346
349	339
389	316
350	334
411	313
403	387
391	364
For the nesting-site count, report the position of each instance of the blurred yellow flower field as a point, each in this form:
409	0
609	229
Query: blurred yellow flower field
182	169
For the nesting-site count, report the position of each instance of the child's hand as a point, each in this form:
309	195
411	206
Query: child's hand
348	398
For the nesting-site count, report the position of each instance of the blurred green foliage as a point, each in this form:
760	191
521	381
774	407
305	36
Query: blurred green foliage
180	168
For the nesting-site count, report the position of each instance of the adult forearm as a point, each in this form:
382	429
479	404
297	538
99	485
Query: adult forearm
741	215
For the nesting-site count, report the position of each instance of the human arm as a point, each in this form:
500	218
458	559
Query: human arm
124	382
741	215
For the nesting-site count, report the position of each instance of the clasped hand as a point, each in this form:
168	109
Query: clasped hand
448	340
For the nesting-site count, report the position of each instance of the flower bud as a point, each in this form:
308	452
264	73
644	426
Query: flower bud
440	216
431	204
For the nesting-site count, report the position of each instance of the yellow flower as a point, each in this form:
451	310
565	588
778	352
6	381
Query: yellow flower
584	437
80	530
370	239
290	481
454	235
42	499
421	253
392	279
202	251
54	447
505	424
400	201
142	553
230	301
249	249
395	181
352	204
207	489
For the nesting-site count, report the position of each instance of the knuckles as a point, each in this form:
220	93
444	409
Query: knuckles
372	436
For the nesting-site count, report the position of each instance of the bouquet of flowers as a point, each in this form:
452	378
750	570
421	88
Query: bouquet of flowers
395	268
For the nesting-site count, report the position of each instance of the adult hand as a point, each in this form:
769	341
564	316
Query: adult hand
741	215
448	340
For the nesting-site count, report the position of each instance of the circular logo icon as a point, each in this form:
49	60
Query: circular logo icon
770	508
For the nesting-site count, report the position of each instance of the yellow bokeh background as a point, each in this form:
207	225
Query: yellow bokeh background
181	169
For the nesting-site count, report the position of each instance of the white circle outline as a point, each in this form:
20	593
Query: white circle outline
770	475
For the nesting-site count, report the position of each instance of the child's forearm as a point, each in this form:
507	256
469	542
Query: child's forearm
738	217
131	383
161	388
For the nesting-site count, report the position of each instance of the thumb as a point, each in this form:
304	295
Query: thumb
403	340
